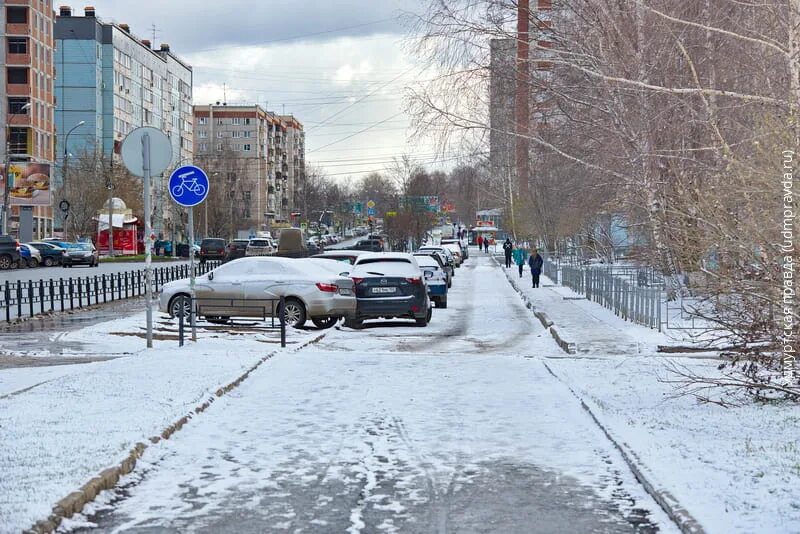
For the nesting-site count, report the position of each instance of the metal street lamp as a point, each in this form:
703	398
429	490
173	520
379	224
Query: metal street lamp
7	190
66	169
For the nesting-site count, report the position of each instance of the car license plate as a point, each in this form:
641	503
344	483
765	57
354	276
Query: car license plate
384	289
345	291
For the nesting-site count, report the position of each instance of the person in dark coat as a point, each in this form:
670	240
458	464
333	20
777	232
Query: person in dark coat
535	263
508	248
486	244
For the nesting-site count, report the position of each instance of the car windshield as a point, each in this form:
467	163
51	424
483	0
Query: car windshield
83	246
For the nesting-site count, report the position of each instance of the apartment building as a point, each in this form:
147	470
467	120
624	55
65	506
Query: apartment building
111	82
26	112
293	166
256	157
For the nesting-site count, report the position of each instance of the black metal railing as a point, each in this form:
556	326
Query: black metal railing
34	297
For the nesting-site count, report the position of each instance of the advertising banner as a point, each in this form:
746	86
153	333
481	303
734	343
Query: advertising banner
30	184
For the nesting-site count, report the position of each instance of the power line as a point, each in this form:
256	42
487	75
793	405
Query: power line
358	132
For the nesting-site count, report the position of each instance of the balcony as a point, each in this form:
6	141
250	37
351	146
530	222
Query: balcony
19	60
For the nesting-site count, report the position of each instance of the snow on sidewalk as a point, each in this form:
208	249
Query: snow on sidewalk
590	326
734	469
60	426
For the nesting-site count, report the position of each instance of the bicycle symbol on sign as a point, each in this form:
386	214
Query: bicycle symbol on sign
189	185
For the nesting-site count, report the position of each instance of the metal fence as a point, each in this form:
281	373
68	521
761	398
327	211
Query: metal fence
629	294
33	297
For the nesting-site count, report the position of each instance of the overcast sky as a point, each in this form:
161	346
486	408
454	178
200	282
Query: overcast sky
340	66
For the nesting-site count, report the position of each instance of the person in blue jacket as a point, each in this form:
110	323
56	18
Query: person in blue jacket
535	263
520	257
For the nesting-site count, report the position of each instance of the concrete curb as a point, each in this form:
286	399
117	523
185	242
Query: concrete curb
107	479
567	346
679	515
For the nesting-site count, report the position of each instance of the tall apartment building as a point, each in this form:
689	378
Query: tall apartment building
115	82
502	103
26	112
294	171
257	157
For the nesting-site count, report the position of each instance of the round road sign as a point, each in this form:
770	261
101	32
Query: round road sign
133	150
188	185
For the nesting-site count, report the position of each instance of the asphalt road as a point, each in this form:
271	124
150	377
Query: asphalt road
45	273
457	427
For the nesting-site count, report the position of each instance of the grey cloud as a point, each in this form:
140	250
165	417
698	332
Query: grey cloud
193	26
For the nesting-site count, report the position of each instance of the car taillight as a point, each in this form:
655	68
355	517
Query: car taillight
328	288
357	280
414	281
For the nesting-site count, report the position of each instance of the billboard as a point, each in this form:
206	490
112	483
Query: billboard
30	184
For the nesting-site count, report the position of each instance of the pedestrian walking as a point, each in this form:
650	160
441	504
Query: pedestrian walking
508	248
520	258
535	263
480	242
486	244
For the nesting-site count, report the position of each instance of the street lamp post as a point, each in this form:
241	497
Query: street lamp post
66	169
7	189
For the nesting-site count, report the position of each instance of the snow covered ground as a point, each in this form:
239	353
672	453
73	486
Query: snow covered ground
459	426
61	425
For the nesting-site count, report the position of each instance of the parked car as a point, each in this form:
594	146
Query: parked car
9	252
344	255
349	233
212	248
244	287
292	244
435	279
451	260
389	285
81	254
51	254
259	247
236	249
441	260
456	250
464	249
30	256
370	245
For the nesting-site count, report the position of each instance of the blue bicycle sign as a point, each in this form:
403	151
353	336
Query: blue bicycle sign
188	185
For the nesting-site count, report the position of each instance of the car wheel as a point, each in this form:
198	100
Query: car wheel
425	320
5	262
178	306
33	263
324	322
15	264
48	262
355	324
294	313
442	303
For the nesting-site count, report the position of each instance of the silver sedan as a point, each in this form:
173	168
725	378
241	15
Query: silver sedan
248	287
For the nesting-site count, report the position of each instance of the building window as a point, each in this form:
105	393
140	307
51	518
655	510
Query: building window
202	134
236	121
16	15
203	147
17	45
246	195
220	135
247	121
202	120
219	147
16	103
236	134
17	75
247	148
220	122
247	133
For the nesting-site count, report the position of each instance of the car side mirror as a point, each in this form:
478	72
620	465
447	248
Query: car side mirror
210	276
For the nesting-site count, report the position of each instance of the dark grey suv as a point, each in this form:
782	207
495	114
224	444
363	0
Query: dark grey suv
9	252
389	285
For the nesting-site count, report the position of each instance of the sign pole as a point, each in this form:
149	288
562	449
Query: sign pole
191	271
148	267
